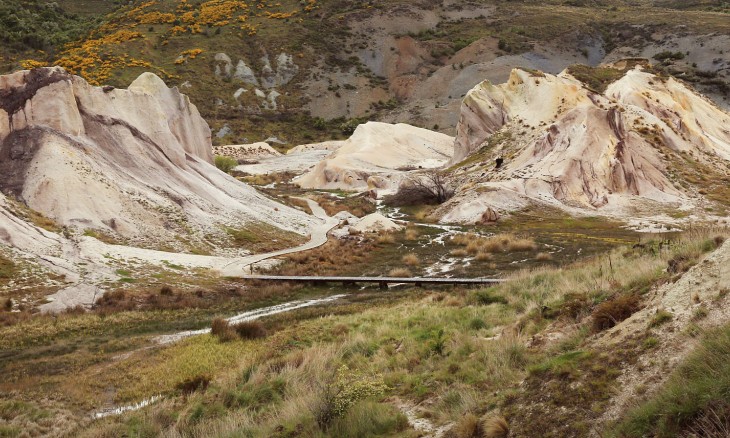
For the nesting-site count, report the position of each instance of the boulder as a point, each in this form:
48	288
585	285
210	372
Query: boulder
375	223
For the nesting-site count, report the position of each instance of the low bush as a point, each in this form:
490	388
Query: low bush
222	330
250	330
611	312
194	384
225	164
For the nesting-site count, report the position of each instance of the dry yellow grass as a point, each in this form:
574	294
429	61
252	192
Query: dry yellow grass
473	247
400	272
495	427
386	238
500	243
411	234
459	253
483	256
543	256
411	260
521	244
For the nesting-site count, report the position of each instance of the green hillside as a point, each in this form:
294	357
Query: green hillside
112	42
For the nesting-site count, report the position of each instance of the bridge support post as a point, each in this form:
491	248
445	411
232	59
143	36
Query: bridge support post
383	285
419	284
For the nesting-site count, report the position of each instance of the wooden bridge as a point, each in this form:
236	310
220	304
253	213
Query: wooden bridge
382	281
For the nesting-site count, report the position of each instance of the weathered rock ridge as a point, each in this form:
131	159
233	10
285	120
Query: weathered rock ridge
565	144
135	163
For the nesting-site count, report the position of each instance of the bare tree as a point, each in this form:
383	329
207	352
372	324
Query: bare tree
431	187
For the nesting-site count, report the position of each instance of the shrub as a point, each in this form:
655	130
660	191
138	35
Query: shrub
679	264
668	55
222	330
225	164
611	312
345	388
166	290
477	324
429	188
250	330
193	384
485	298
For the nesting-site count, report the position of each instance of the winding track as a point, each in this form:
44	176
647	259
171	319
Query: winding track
237	268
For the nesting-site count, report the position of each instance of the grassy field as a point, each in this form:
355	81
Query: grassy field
349	369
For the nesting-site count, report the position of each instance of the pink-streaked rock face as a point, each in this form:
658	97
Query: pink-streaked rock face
564	144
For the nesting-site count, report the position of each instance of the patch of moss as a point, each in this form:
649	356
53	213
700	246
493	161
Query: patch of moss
596	78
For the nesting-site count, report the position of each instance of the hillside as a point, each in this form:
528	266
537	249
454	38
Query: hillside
208	209
615	140
383	60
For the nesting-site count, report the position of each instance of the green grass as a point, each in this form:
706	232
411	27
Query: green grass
7	268
562	364
699	385
596	78
225	164
660	318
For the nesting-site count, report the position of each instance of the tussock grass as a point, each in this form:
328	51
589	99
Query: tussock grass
400	272
543	256
611	312
475	244
496	426
483	257
412	234
411	260
694	402
385	238
423	348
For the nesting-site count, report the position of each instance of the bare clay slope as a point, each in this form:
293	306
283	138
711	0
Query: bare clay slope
134	164
619	151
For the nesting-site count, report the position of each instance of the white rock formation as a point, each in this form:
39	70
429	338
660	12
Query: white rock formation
576	148
375	223
254	151
134	163
377	155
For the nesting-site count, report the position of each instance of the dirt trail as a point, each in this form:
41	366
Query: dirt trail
318	238
95	256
